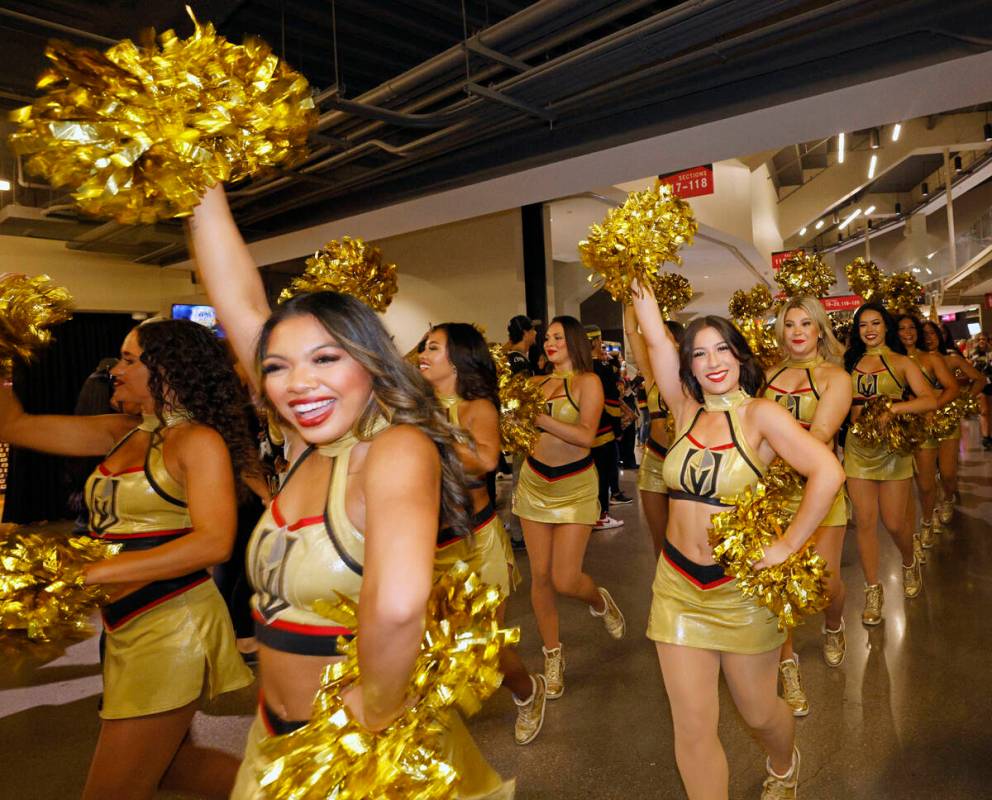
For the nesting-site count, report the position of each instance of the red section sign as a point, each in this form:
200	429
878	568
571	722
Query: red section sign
692	182
847	302
783	255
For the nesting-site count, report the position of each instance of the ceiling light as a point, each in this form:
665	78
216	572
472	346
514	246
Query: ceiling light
4	186
988	131
850	217
840	148
916	270
896	130
898	208
929	271
869	210
819	224
957	163
802	231
873	139
926	190
706	276
871	166
932	254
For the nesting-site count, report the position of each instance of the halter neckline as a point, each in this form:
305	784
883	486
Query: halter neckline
726	401
563	376
350	439
808	363
881	350
170	417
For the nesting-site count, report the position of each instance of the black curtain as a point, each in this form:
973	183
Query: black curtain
36	484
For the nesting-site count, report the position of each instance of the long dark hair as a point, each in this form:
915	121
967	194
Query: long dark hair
920	343
474	367
752	378
399	393
579	349
856	346
189	369
942	346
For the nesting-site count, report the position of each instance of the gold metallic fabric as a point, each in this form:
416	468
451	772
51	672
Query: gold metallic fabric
569	500
875	463
649	473
246	784
721	618
836	516
171	655
487	551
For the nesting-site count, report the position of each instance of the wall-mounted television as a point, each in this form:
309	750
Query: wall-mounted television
203	315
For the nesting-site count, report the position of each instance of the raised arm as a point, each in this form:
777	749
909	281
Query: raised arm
663	351
229	275
637	345
833	406
589	395
402	486
812	459
203	465
925	399
59	434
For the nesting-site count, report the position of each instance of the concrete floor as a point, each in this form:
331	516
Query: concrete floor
904	717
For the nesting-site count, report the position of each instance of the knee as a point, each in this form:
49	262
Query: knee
765	716
540	581
695	731
564	583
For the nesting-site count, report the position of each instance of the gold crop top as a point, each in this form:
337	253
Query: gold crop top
802	402
656	406
450	404
707	473
927	373
294	563
140	502
561	406
879	382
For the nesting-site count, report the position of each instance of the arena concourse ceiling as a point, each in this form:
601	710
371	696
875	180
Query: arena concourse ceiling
416	97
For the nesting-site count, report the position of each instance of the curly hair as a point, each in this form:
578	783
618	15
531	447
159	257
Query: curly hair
473	363
752	378
856	347
400	394
188	368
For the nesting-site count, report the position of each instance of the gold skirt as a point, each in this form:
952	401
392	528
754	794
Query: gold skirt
649	477
930	444
476	778
719	618
563	495
875	463
488	552
172	654
837	516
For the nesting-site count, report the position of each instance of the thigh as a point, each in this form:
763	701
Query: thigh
892	499
949	456
753	683
692	683
538	537
829	544
568	548
864	498
132	755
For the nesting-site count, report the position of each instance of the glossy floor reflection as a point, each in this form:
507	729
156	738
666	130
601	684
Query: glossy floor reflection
904	717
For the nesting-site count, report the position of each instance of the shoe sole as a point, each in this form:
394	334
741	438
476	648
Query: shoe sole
871	624
549	695
800	712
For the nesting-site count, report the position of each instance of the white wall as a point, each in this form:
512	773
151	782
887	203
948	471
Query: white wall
97	282
470	271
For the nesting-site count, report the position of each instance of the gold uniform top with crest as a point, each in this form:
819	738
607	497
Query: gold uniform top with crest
561	406
707	473
292	564
802	404
876	463
650	474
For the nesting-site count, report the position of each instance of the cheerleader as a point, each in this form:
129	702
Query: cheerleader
357	514
878	479
925	458
457	363
816	391
700	621
971	382
557	494
166	492
653	491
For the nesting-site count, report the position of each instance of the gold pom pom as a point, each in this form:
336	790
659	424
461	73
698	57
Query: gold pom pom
672	291
878	426
747	308
942	423
865	279
521	402
458	665
841	325
791	590
902	294
635	240
42	594
28	308
805	275
755	303
967	405
141	131
349	266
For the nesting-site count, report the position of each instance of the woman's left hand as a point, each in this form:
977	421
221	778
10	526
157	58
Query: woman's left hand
774	554
542	421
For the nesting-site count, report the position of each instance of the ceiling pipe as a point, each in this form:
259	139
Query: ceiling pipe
56	26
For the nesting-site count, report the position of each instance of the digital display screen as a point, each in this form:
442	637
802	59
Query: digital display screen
974	328
202	315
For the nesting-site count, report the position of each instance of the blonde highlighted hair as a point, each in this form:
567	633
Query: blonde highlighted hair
827	345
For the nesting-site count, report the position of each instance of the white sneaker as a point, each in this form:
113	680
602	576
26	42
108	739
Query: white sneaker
607	522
